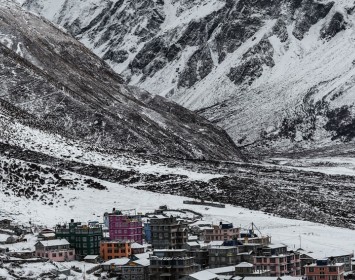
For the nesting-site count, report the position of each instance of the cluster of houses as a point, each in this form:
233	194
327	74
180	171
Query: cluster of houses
128	245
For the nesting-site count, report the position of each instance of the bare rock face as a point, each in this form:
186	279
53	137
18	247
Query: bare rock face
229	59
280	30
58	85
252	63
336	25
309	14
198	67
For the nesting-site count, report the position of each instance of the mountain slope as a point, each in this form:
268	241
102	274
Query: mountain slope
277	75
52	82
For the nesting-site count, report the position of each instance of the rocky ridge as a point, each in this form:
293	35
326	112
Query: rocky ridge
51	82
277	75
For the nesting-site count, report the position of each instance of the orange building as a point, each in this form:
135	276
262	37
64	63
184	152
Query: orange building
324	270
115	249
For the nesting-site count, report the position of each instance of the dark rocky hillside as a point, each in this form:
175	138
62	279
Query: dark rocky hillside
52	82
286	192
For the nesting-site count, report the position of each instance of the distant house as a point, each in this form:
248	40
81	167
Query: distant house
92	259
325	269
115	249
125	268
198	252
168	232
221	256
248	269
46	234
137	248
85	239
278	260
224	231
202	275
56	250
125	226
191	246
339	256
172	264
47	230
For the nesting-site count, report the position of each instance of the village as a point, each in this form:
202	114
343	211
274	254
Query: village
164	244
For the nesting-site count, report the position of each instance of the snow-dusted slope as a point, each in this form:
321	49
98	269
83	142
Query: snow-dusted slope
270	72
52	82
84	204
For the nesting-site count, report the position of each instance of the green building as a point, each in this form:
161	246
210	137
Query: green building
84	238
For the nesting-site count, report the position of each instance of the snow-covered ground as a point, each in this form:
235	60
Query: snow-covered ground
90	204
327	165
57	146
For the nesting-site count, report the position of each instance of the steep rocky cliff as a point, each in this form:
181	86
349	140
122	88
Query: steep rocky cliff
275	74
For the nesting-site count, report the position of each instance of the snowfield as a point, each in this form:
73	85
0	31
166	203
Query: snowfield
91	204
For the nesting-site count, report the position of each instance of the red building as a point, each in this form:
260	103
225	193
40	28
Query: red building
278	260
324	270
125	227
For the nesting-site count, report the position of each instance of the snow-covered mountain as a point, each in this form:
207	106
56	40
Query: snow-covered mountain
274	74
51	82
71	127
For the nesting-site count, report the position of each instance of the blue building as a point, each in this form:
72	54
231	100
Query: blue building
147	232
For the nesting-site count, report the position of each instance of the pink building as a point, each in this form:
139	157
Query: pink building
57	250
125	227
278	260
223	231
325	270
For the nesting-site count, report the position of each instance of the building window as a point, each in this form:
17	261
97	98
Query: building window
332	269
54	255
311	269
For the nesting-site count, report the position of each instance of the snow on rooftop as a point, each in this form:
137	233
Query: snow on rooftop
55	242
158	217
221	270
48	234
193	243
192	238
136	245
204	275
275	246
143	262
91	257
143	255
121	261
245	264
216	243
